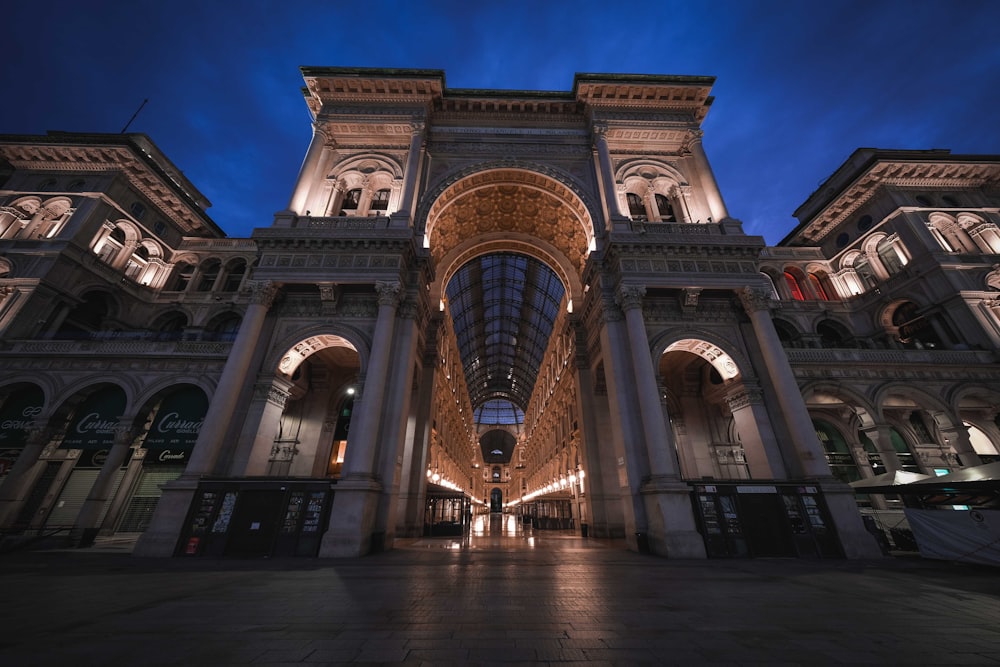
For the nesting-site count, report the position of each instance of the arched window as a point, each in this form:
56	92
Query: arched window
225	327
863	268
665	208
234	276
787	334
112	245
171	326
137	263
87	317
794	287
818	288
181	277
380	201
209	274
636	207
889	255
834	335
914	329
352	199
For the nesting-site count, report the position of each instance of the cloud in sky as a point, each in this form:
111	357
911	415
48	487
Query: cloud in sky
799	85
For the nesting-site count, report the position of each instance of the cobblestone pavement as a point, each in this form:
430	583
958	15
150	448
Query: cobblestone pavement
499	598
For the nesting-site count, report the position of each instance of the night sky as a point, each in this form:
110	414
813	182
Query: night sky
800	84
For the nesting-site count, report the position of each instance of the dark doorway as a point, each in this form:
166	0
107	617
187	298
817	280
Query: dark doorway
496	500
765	525
255	523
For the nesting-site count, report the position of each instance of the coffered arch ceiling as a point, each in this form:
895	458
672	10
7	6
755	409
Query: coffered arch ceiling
509	246
511	201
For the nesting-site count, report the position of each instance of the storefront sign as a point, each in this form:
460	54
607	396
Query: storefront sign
17	417
96	421
176	426
756	489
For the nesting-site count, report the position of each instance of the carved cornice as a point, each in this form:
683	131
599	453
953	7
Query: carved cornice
96	158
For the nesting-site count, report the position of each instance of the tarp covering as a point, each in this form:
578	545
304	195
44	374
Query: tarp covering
967	536
989	472
893	478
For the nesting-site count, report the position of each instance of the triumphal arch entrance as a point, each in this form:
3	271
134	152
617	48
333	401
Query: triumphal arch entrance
526	303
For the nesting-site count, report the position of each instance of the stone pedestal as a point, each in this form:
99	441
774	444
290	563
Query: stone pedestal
672	529
856	541
352	519
160	538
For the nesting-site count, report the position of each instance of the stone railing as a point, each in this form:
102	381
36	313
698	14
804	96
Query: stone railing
118	346
877	357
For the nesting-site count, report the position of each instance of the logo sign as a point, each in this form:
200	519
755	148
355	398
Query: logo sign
18	415
175	427
94	425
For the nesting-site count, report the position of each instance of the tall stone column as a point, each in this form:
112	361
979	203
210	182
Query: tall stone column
395	417
15	486
359	459
957	435
754	426
255	447
411	170
811	459
659	441
709	186
606	171
100	492
672	529
356	499
164	528
308	173
413	488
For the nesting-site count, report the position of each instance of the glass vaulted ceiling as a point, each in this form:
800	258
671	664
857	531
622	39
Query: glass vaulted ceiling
504	307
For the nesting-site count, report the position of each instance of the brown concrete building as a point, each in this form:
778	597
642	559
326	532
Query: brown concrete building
480	300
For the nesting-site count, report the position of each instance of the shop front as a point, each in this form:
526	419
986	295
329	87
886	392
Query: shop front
755	520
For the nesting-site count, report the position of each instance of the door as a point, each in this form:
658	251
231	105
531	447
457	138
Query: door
255	523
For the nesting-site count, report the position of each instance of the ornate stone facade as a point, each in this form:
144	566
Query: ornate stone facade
683	358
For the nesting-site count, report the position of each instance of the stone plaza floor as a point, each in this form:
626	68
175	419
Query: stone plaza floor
505	595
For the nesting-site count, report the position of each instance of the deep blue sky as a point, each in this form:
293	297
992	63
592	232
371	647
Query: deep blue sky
800	84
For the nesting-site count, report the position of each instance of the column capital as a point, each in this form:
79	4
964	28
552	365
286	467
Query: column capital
692	138
388	292
262	292
408	309
599	128
630	296
754	299
417	127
